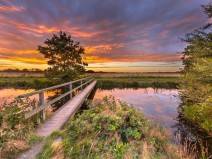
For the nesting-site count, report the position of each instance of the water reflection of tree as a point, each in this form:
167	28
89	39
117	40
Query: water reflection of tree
60	102
198	140
60	91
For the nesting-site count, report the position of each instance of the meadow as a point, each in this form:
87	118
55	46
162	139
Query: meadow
137	81
105	80
24	82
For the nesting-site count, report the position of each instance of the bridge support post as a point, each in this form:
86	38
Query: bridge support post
41	103
70	88
81	84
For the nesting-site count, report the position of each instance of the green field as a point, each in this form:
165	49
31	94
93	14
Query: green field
103	82
135	82
24	82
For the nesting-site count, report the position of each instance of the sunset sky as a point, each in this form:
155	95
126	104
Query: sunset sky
118	35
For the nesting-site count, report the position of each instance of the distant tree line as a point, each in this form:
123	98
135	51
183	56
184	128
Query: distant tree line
23	70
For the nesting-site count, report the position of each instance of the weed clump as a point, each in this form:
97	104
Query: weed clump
15	132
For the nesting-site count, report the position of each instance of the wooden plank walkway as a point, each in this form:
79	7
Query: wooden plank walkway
59	118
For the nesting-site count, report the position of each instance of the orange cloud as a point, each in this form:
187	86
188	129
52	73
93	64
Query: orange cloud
29	60
77	32
102	48
137	58
24	56
40	29
17	52
95	59
80	32
37	29
11	9
12	63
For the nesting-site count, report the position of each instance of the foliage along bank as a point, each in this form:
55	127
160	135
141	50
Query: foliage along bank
197	82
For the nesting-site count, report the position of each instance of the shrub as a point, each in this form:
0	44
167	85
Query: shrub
15	131
200	114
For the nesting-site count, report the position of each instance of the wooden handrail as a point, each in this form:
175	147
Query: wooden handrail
50	88
43	105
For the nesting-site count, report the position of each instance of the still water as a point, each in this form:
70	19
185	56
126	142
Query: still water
159	105
9	94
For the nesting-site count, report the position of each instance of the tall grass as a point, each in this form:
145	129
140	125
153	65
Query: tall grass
191	149
16	133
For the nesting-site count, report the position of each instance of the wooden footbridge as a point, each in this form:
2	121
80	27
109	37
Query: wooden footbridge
61	116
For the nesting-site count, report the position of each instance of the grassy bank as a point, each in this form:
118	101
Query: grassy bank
24	82
111	130
135	82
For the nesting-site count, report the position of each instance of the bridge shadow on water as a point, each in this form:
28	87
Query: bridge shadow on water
195	139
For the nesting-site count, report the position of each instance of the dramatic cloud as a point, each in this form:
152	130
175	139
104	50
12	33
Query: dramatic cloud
111	31
11	9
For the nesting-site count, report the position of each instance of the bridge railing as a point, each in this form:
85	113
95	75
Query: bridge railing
43	104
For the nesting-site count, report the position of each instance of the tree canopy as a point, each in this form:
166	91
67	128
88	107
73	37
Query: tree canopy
64	57
197	85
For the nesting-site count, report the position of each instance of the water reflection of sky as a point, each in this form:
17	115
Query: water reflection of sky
9	94
159	105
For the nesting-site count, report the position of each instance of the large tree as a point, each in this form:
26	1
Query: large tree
64	57
197	85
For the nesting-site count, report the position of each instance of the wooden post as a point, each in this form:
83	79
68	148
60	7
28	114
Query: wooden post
81	84
70	88
41	103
